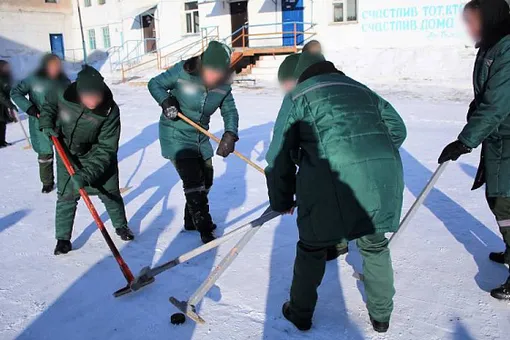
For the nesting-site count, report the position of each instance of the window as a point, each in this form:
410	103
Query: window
50	1
101	2
87	3
345	10
192	17
92	39
106	37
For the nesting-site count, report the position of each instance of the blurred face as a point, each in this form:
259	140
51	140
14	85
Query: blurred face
212	77
91	100
288	85
473	21
6	69
53	68
315	49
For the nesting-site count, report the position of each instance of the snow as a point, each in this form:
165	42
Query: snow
442	272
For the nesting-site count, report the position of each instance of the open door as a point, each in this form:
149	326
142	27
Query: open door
292	18
57	45
239	17
149	33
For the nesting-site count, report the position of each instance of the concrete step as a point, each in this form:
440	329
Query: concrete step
264	70
274	57
269	63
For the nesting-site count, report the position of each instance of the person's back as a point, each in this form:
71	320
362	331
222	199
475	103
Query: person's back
349	184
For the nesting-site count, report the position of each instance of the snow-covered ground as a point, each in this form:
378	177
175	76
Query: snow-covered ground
441	267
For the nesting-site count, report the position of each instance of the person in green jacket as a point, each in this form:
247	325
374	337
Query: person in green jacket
6	106
86	119
488	121
349	184
288	83
196	87
49	77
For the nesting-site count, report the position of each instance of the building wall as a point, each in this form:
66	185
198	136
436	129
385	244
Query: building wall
25	27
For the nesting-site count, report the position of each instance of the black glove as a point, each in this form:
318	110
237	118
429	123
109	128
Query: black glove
227	144
453	151
33	111
170	108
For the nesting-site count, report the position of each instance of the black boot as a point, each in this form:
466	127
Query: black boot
63	247
380	327
335	251
198	206
302	325
125	233
497	257
503	292
47	188
188	221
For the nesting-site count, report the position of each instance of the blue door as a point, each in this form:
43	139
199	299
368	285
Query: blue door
292	20
57	45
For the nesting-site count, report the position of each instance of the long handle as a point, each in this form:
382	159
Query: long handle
122	264
22	128
416	205
217	140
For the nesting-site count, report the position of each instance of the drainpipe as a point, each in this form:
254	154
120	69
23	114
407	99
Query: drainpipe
82	34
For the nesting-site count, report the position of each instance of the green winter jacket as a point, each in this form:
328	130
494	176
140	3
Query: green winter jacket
37	88
5	100
350	178
489	117
177	138
91	138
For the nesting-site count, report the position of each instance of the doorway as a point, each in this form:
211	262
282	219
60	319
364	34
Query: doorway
57	45
239	17
292	18
149	33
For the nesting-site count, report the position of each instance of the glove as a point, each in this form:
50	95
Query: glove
33	111
170	108
227	144
50	132
78	181
453	151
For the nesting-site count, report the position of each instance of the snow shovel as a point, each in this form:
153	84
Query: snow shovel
412	211
189	307
122	264
148	274
14	113
217	140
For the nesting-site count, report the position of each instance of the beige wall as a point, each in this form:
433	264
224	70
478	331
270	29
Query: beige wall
62	6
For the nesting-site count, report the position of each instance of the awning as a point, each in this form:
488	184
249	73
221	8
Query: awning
143	10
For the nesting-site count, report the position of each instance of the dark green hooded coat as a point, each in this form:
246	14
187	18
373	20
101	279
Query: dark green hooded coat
350	178
5	98
37	87
178	139
489	115
90	136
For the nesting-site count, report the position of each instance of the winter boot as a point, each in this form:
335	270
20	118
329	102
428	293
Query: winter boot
63	247
503	292
4	145
198	206
335	252
47	188
380	327
188	221
497	257
302	325
125	233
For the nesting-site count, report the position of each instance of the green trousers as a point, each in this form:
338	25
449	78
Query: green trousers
310	265
500	207
66	211
46	169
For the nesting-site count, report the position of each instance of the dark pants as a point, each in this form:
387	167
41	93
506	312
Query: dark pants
197	179
3	129
66	212
310	266
500	207
46	169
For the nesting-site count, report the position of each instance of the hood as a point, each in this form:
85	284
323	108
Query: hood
71	95
495	21
322	67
